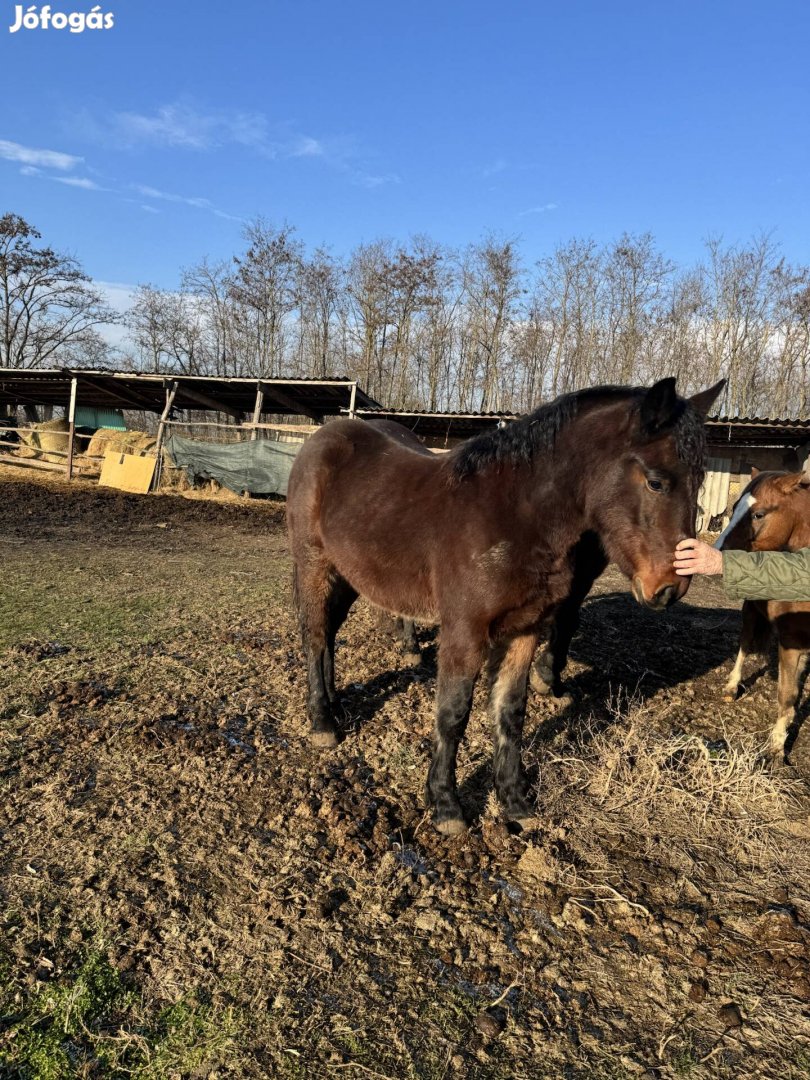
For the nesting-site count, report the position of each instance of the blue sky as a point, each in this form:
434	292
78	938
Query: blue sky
356	120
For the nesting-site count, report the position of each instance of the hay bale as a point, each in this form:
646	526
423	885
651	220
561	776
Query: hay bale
127	442
47	441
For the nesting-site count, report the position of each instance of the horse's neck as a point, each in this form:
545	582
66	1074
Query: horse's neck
800	535
555	499
800	531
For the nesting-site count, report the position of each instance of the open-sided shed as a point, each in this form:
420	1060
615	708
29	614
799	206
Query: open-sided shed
244	400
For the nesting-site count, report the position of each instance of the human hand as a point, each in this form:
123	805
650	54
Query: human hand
695	557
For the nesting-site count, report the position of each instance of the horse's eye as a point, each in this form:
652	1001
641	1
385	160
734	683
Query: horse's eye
758	515
655	485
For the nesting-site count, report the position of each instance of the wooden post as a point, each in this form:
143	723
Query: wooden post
171	390
257	411
353	402
72	425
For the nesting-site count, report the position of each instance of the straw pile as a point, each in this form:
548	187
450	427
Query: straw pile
47	441
129	442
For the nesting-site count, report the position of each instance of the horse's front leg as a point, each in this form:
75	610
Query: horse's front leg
791	664
589	562
508	675
460	656
754	637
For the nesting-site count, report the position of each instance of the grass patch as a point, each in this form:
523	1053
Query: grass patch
90	1022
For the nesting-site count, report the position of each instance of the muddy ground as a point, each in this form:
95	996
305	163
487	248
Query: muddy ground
188	889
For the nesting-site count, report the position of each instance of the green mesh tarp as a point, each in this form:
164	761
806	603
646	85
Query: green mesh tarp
261	467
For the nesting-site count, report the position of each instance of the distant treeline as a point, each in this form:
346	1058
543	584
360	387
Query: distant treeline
424	326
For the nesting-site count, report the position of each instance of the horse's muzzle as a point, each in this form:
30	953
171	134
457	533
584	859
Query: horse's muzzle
665	597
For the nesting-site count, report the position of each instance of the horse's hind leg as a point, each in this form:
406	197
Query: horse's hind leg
315	582
754	637
406	629
459	664
341	598
508	676
791	664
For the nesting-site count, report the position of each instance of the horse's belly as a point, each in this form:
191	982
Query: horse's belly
398	585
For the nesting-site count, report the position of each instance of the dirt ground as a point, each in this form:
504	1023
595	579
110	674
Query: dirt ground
188	889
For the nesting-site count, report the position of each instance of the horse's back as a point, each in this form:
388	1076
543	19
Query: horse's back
368	503
357	447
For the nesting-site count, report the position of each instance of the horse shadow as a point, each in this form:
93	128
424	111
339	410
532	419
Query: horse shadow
357	703
622	652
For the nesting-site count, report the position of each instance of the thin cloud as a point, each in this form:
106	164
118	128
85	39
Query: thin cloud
72	181
46	159
79	182
544	209
196	201
307	147
183	126
498	166
372	181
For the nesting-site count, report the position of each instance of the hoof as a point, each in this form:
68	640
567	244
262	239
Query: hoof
539	684
530	823
451	826
772	757
325	740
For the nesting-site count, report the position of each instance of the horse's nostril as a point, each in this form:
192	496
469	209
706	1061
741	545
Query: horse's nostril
664	597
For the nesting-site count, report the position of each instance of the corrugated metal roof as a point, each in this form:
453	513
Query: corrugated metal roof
737	430
140	390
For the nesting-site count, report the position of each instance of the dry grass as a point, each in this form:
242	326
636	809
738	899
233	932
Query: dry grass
681	793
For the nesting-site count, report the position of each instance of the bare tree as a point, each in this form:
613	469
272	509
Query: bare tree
492	278
47	302
636	278
423	326
166	328
264	295
320	288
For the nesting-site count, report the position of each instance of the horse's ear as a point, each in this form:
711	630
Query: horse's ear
755	472
660	407
703	401
792	482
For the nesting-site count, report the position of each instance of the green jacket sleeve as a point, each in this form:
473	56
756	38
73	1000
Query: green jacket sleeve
767	575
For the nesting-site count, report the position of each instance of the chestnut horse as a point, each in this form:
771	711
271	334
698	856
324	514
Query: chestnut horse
481	540
773	514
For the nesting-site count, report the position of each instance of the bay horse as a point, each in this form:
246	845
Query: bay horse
405	629
590	562
481	540
773	514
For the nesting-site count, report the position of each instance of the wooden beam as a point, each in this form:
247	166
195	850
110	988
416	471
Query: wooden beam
353	402
74	382
287	402
257	411
171	390
209	402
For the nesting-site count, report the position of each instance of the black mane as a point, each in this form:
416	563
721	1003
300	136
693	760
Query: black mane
520	440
